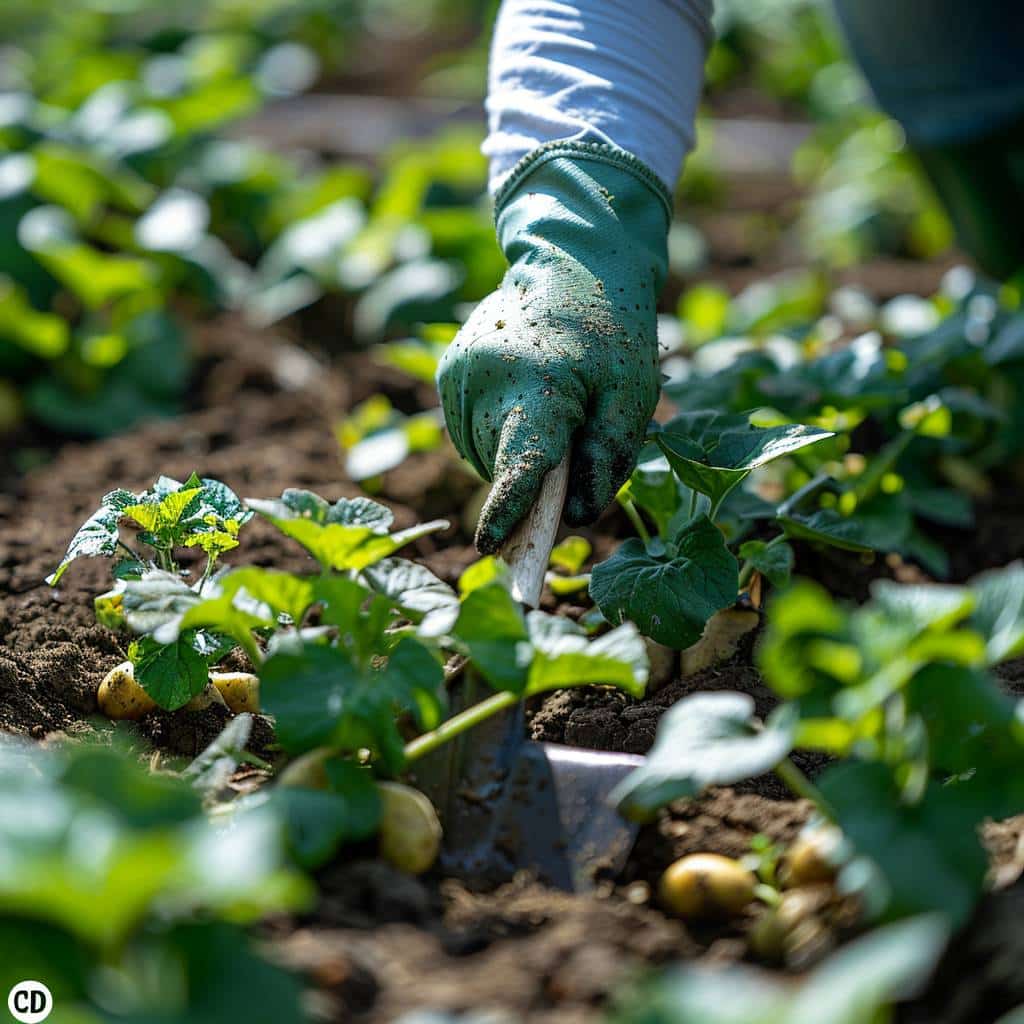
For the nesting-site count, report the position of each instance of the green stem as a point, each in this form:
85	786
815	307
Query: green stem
693	503
130	551
459	723
802	786
634	517
748	566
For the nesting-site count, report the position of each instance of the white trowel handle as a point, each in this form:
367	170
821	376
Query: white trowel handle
527	551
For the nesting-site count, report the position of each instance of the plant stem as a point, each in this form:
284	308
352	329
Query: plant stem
634	517
802	786
748	566
459	723
693	503
130	552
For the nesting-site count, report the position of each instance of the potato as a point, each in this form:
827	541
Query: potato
204	698
410	833
663	662
240	690
706	885
120	697
308	770
773	935
814	856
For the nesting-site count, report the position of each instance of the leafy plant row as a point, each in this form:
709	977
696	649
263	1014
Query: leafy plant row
923	745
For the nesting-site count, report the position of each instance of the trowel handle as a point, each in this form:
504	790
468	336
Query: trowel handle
527	551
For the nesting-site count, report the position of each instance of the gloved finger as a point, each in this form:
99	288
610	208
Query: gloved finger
605	452
460	375
527	450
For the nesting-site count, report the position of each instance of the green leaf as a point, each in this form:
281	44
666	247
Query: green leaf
802	623
999	614
493	632
571	554
924	606
706	739
41	334
563	656
417	592
775	563
156	599
881	524
319	696
351	534
172	674
712	452
319	822
888	965
929	853
670	599
656	490
96	536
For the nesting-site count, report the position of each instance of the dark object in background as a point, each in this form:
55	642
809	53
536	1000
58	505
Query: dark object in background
951	74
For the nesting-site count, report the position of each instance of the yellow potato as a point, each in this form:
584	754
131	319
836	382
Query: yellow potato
120	697
204	698
814	856
706	885
410	833
308	770
240	690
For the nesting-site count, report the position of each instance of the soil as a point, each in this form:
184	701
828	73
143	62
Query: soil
379	943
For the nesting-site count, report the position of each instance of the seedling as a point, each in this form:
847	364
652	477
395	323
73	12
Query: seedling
350	658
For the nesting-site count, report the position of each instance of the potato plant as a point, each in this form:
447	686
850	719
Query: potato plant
929	396
351	658
679	572
112	874
898	692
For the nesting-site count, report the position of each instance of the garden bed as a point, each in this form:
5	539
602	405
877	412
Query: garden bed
377	942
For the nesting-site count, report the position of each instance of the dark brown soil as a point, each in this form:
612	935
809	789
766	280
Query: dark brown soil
379	943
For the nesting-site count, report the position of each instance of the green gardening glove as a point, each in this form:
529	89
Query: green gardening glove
564	354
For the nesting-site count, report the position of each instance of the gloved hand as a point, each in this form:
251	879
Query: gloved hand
565	351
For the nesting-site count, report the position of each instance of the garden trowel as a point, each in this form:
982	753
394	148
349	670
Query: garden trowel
508	803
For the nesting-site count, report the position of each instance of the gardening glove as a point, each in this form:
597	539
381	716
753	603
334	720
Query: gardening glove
564	354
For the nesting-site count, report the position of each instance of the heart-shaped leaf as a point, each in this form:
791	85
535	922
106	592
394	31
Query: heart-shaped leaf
669	599
712	452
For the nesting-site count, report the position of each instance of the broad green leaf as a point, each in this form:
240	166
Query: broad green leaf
656	490
999	613
712	452
415	678
775	563
305	693
564	656
213	767
492	630
320	821
282	592
96	536
670	599
350	534
97	278
319	696
172	674
566	586
41	334
571	554
888	965
925	606
417	592
973	730
156	599
488	569
706	739
929	853
881	524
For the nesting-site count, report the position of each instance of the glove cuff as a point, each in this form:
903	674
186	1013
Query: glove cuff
600	151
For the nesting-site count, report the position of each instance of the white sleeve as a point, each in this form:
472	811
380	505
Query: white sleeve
628	72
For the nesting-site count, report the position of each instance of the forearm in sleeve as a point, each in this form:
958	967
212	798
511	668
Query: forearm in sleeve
625	72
